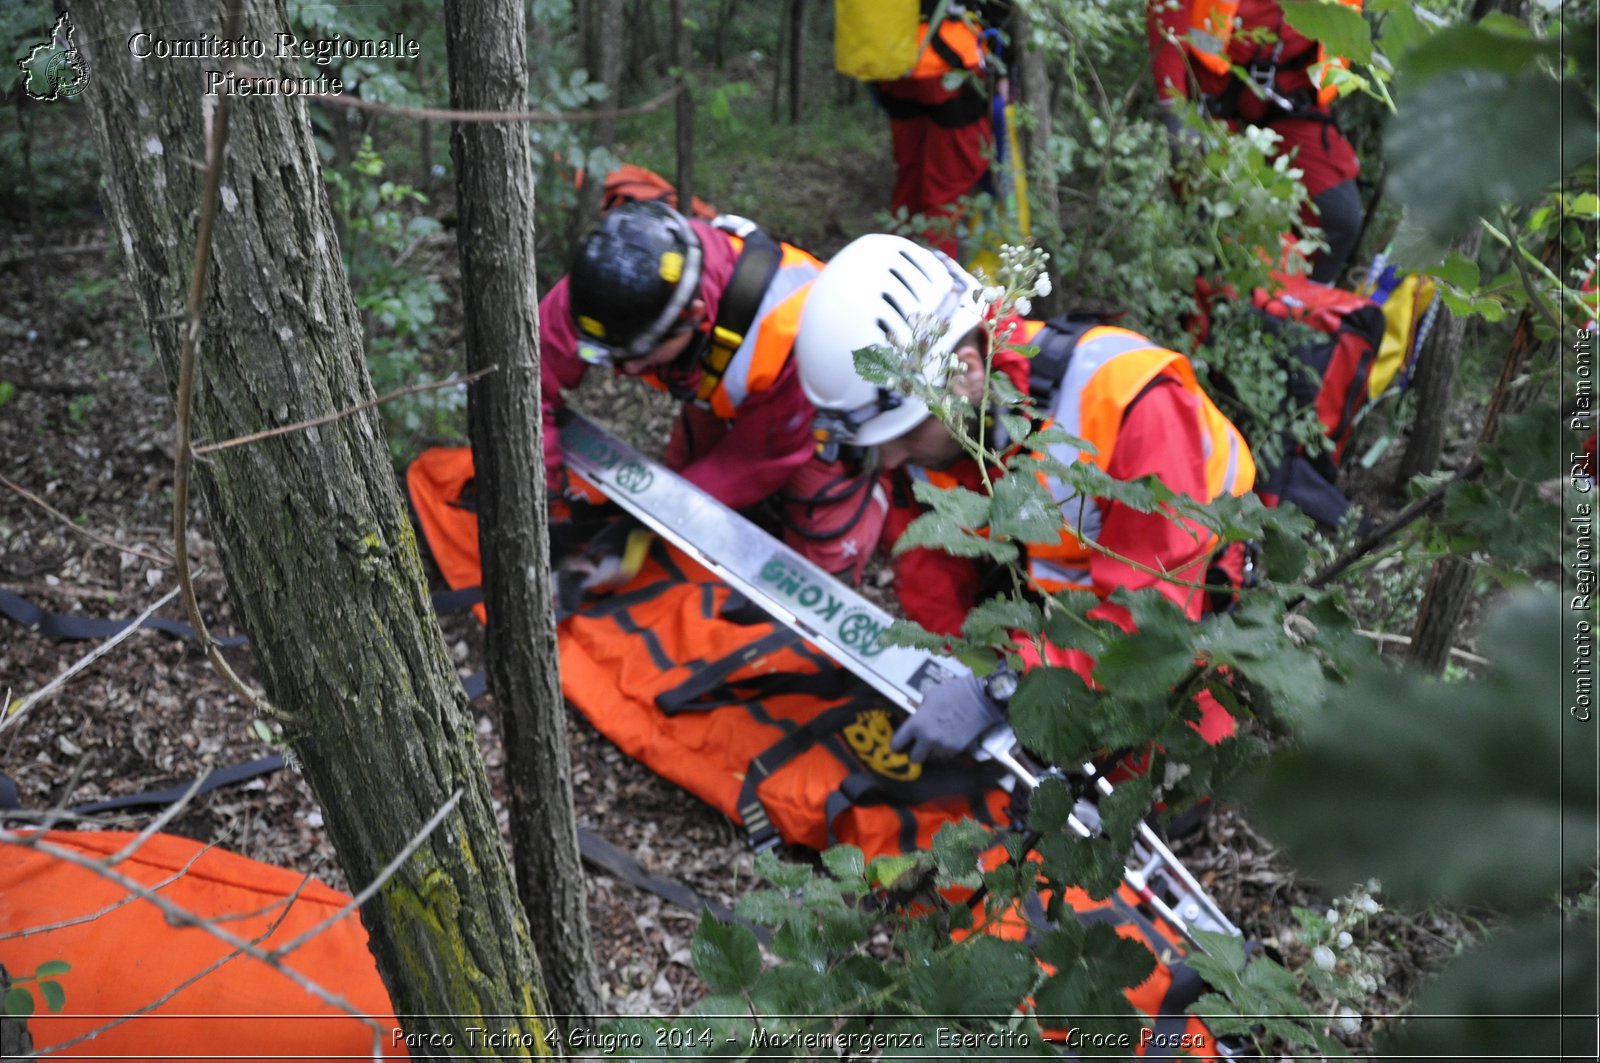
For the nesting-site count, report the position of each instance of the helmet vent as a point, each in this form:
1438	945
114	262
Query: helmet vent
914	265
896	307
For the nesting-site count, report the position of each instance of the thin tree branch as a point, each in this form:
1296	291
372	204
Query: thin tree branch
204	972
1413	509
217	140
167	815
383	876
1405	640
108	909
12	715
412	389
162	560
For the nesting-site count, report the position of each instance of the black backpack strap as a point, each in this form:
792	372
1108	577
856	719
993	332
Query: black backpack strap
969	780
1056	342
752	276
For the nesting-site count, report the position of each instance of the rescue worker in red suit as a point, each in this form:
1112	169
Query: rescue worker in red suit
1192	61
943	137
644	297
1139	404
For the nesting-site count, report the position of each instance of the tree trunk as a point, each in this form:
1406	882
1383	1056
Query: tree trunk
1031	84
603	59
1439	615
1436	369
680	59
495	197
797	51
319	554
15	1040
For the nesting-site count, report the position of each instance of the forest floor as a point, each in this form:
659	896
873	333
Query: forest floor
88	430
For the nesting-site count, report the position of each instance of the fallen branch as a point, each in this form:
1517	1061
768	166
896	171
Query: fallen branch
13	713
1405	640
162	560
1408	515
412	389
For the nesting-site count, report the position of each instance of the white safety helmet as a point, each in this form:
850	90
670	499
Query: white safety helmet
866	297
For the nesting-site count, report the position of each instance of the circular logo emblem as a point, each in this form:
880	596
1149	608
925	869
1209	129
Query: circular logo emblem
634	477
860	633
68	72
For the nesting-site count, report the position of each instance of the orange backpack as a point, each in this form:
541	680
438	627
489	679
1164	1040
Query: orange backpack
635	184
124	956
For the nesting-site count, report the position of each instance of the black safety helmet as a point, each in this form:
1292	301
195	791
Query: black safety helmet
633	277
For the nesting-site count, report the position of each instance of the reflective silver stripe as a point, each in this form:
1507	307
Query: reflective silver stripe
1099	346
1232	478
787	281
1045	570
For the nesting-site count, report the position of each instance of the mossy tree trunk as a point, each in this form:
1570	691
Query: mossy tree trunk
495	193
319	555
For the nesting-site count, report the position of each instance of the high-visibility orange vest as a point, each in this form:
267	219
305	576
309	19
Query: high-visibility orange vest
1211	26
1109	368
760	358
956	46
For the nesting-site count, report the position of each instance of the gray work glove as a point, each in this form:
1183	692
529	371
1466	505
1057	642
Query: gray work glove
952	718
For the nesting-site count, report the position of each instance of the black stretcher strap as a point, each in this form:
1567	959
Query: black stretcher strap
68	627
596	851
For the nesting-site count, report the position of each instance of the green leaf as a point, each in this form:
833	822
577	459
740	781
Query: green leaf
8	391
1045	716
1144	665
1123	808
1049	805
1462	792
800	943
1023	510
1476	47
52	967
1341	28
793	989
767	907
999	616
1522	976
726	955
55	998
19	1003
1121	962
982	975
1469	140
784	876
1458	271
956	847
845	863
885	871
1220	960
